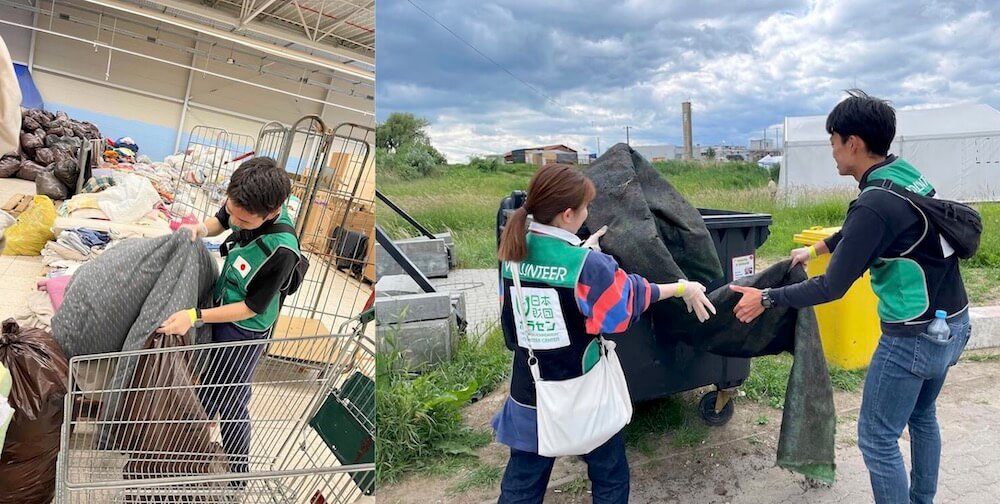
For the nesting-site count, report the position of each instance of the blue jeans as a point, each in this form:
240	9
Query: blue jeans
903	382
527	475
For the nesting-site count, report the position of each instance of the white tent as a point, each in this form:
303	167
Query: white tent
957	148
768	161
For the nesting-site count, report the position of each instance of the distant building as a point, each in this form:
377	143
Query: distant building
761	144
655	153
558	153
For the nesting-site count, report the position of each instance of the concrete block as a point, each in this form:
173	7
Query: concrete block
449	244
458	304
985	327
396	285
429	256
421	344
412	308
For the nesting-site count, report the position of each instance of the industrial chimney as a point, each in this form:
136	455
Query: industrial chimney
686	117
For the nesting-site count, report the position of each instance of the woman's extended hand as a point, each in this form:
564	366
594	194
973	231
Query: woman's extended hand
696	300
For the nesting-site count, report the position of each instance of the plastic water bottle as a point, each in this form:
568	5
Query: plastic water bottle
939	329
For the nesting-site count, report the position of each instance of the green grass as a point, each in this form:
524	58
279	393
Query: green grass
768	379
464	200
420	421
982	357
479	477
577	486
673	416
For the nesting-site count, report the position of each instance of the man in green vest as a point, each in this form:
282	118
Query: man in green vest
259	262
914	273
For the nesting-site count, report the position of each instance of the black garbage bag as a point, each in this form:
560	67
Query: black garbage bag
652	230
30	142
46	183
39	374
67	172
28	123
78	130
44	156
70	144
29	170
60	131
60	154
92	133
9	166
41	117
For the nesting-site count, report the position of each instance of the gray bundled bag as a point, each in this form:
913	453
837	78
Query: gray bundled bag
116	300
29	170
9	166
46	183
652	229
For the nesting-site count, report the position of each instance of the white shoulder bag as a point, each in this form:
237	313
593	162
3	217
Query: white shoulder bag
577	415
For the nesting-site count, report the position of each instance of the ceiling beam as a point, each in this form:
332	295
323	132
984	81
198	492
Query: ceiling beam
251	26
344	19
302	17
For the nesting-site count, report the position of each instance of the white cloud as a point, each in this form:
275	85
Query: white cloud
632	63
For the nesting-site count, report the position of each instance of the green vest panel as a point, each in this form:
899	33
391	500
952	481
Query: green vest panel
242	265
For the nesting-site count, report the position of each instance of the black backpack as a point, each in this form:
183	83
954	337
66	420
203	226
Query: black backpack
960	224
298	275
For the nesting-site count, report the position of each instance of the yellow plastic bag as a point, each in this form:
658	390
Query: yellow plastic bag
33	228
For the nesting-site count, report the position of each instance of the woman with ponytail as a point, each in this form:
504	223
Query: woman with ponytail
558	298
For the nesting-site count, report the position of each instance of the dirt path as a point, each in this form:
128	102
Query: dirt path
735	463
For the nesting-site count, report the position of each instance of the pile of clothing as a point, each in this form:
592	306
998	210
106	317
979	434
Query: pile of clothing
74	247
49	146
122	150
118	197
64	256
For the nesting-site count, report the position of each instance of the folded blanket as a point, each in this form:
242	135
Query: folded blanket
115	301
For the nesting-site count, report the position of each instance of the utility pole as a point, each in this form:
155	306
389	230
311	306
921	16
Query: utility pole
598	146
626	137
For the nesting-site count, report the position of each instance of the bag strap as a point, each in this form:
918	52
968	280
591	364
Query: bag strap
272	228
519	304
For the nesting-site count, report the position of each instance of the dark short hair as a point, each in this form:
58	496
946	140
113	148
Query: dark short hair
259	186
866	117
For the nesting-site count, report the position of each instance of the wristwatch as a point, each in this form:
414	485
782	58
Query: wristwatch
765	299
198	322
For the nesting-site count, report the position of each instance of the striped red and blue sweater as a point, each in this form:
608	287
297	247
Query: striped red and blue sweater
609	299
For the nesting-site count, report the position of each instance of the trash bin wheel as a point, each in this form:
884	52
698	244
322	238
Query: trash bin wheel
706	410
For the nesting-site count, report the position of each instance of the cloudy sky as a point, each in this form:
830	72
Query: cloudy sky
594	67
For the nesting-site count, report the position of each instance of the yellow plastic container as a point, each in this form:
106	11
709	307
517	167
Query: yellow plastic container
848	327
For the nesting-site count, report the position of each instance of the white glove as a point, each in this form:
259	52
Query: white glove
802	255
593	241
694	297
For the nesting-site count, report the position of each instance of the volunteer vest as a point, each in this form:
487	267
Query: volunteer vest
242	265
913	284
557	329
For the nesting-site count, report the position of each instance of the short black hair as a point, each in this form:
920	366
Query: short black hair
259	186
870	119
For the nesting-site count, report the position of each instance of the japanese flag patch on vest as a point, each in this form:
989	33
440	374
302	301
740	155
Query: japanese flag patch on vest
242	267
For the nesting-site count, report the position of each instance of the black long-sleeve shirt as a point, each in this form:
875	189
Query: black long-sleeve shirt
877	224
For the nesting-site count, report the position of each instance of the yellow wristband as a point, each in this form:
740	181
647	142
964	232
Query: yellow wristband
812	252
681	287
193	314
